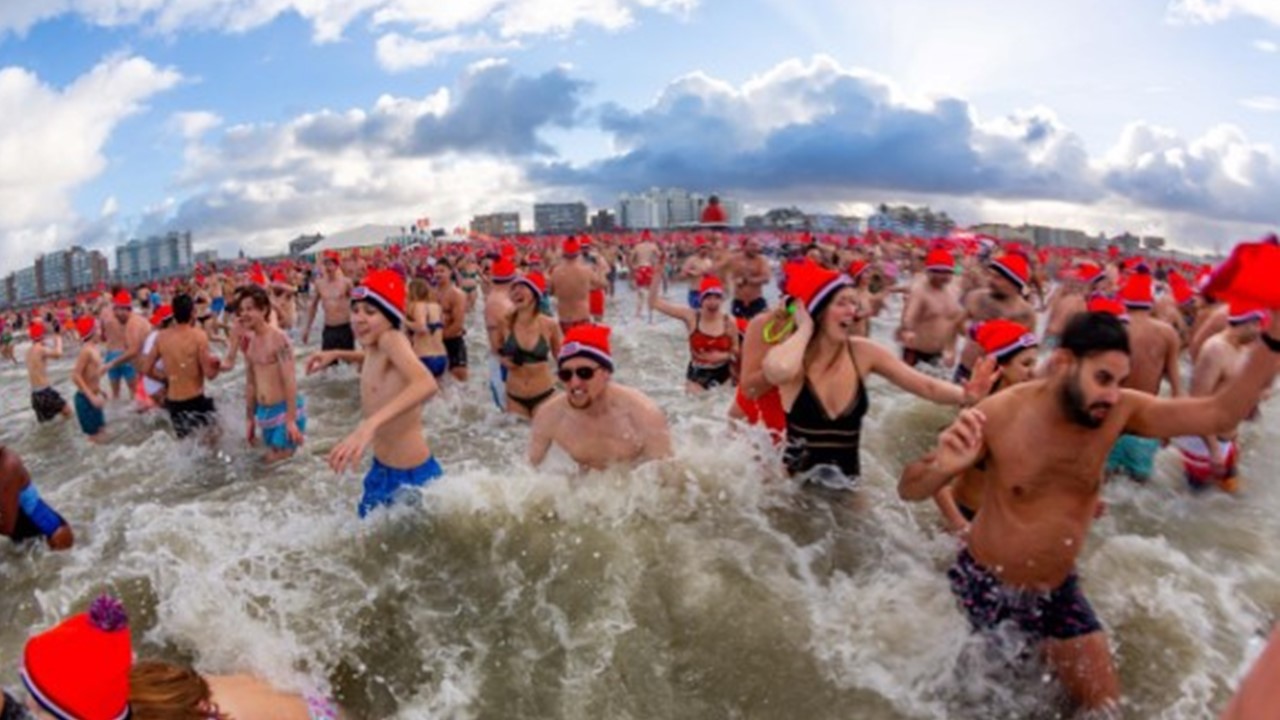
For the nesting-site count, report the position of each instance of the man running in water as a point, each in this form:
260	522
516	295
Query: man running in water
333	291
45	401
272	402
645	259
1037	507
394	385
1007	279
750	273
931	319
126	331
453	307
1154	350
23	514
571	284
597	421
184	348
87	377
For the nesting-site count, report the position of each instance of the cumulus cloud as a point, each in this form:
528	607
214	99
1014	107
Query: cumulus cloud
818	125
397	52
52	142
1215	11
449	154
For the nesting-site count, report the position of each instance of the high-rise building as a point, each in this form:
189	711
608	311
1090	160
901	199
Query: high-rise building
503	223
603	221
559	217
659	208
25	289
159	256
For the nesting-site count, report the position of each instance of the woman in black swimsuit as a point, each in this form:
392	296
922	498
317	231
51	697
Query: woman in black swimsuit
821	370
532	340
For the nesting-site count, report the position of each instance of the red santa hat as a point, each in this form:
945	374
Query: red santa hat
332	256
1088	273
36	331
589	341
1014	267
856	268
571	248
1240	312
162	313
1136	293
814	285
1104	304
123	299
257	276
1181	289
536	283
385	290
939	260
504	270
86	326
79	670
1002	339
711	285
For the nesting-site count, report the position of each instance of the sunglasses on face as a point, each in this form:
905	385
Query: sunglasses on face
583	373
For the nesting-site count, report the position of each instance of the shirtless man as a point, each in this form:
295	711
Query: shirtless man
1069	298
750	273
695	267
394	385
46	401
1154	350
333	291
1037	507
931	319
125	331
284	298
497	307
184	348
23	514
453	306
272	402
1007	279
1210	458
87	377
644	261
596	421
572	281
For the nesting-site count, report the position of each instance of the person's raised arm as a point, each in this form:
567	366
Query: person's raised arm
1162	417
959	448
784	363
882	362
311	315
688	315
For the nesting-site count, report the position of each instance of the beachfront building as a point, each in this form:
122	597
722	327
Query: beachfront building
559	218
662	208
905	220
158	256
70	271
603	221
503	223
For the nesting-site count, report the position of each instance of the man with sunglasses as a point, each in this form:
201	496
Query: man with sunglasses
333	290
597	421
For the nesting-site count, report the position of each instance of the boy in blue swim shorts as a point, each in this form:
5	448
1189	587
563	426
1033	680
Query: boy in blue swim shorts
24	515
394	386
272	402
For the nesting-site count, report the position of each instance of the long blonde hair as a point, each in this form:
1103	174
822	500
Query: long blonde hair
160	691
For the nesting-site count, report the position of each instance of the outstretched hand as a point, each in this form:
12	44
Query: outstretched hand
984	377
349	451
960	445
318	362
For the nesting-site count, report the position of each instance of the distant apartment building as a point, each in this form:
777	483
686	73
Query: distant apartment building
503	223
25	286
559	217
603	221
156	257
206	257
904	220
828	223
662	208
70	271
1153	242
1007	233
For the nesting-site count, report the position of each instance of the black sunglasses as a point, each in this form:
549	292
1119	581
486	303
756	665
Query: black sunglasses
583	373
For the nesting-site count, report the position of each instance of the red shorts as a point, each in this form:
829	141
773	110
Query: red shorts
766	410
596	298
1196	462
644	276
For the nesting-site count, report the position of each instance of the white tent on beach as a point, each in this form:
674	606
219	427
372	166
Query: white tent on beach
360	237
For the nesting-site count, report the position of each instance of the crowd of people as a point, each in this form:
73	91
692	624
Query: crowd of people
1057	361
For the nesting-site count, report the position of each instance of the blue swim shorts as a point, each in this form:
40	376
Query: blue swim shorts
1133	456
271	420
382	485
123	371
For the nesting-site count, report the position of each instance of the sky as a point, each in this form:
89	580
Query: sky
249	122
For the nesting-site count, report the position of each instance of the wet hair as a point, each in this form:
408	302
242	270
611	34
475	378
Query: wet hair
160	691
1091	333
255	293
419	290
183	309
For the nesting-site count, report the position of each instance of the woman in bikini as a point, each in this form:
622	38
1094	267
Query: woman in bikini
469	280
820	368
713	335
532	340
425	321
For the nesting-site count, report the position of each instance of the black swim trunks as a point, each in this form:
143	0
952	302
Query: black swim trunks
191	415
914	357
746	311
47	403
1059	614
338	337
708	377
456	347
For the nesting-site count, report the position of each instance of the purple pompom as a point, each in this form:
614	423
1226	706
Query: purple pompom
108	614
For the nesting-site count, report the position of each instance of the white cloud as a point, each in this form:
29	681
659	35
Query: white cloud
191	125
1266	46
330	18
1215	11
397	52
52	140
1262	103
